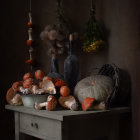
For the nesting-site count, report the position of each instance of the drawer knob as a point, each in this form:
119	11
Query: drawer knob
32	124
36	125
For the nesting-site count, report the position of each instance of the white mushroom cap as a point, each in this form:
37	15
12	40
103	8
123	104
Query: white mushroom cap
48	87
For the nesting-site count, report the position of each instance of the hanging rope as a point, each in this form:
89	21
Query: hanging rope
30	5
59	2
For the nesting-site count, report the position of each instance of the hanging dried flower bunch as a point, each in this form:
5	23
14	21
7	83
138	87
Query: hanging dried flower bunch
56	35
93	39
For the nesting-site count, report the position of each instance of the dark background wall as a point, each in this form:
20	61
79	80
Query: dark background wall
120	19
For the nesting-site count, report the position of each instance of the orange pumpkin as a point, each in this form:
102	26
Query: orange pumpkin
64	91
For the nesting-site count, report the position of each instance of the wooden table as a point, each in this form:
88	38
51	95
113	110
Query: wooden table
66	124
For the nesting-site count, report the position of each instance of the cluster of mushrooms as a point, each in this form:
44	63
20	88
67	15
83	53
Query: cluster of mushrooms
40	85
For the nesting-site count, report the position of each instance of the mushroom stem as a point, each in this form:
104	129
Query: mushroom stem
68	102
72	105
100	106
17	100
30	17
40	105
50	104
30	33
43	104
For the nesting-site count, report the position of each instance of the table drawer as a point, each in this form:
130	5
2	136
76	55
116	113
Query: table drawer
45	128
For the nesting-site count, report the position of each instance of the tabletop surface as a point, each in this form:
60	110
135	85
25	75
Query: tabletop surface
61	114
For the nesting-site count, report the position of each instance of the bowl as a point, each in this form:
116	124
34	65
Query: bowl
29	100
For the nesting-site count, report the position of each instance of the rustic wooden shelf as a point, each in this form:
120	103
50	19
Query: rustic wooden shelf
67	124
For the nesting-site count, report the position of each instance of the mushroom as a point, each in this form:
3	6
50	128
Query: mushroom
39	106
68	102
34	88
30	24
30	40
48	87
28	83
24	90
9	95
30	61
87	103
16	85
17	100
60	83
39	91
39	74
50	104
47	78
27	76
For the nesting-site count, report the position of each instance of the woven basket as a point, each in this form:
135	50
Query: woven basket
121	93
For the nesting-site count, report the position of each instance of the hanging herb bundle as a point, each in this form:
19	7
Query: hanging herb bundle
93	39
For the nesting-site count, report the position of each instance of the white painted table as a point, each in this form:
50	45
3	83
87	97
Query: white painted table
66	124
